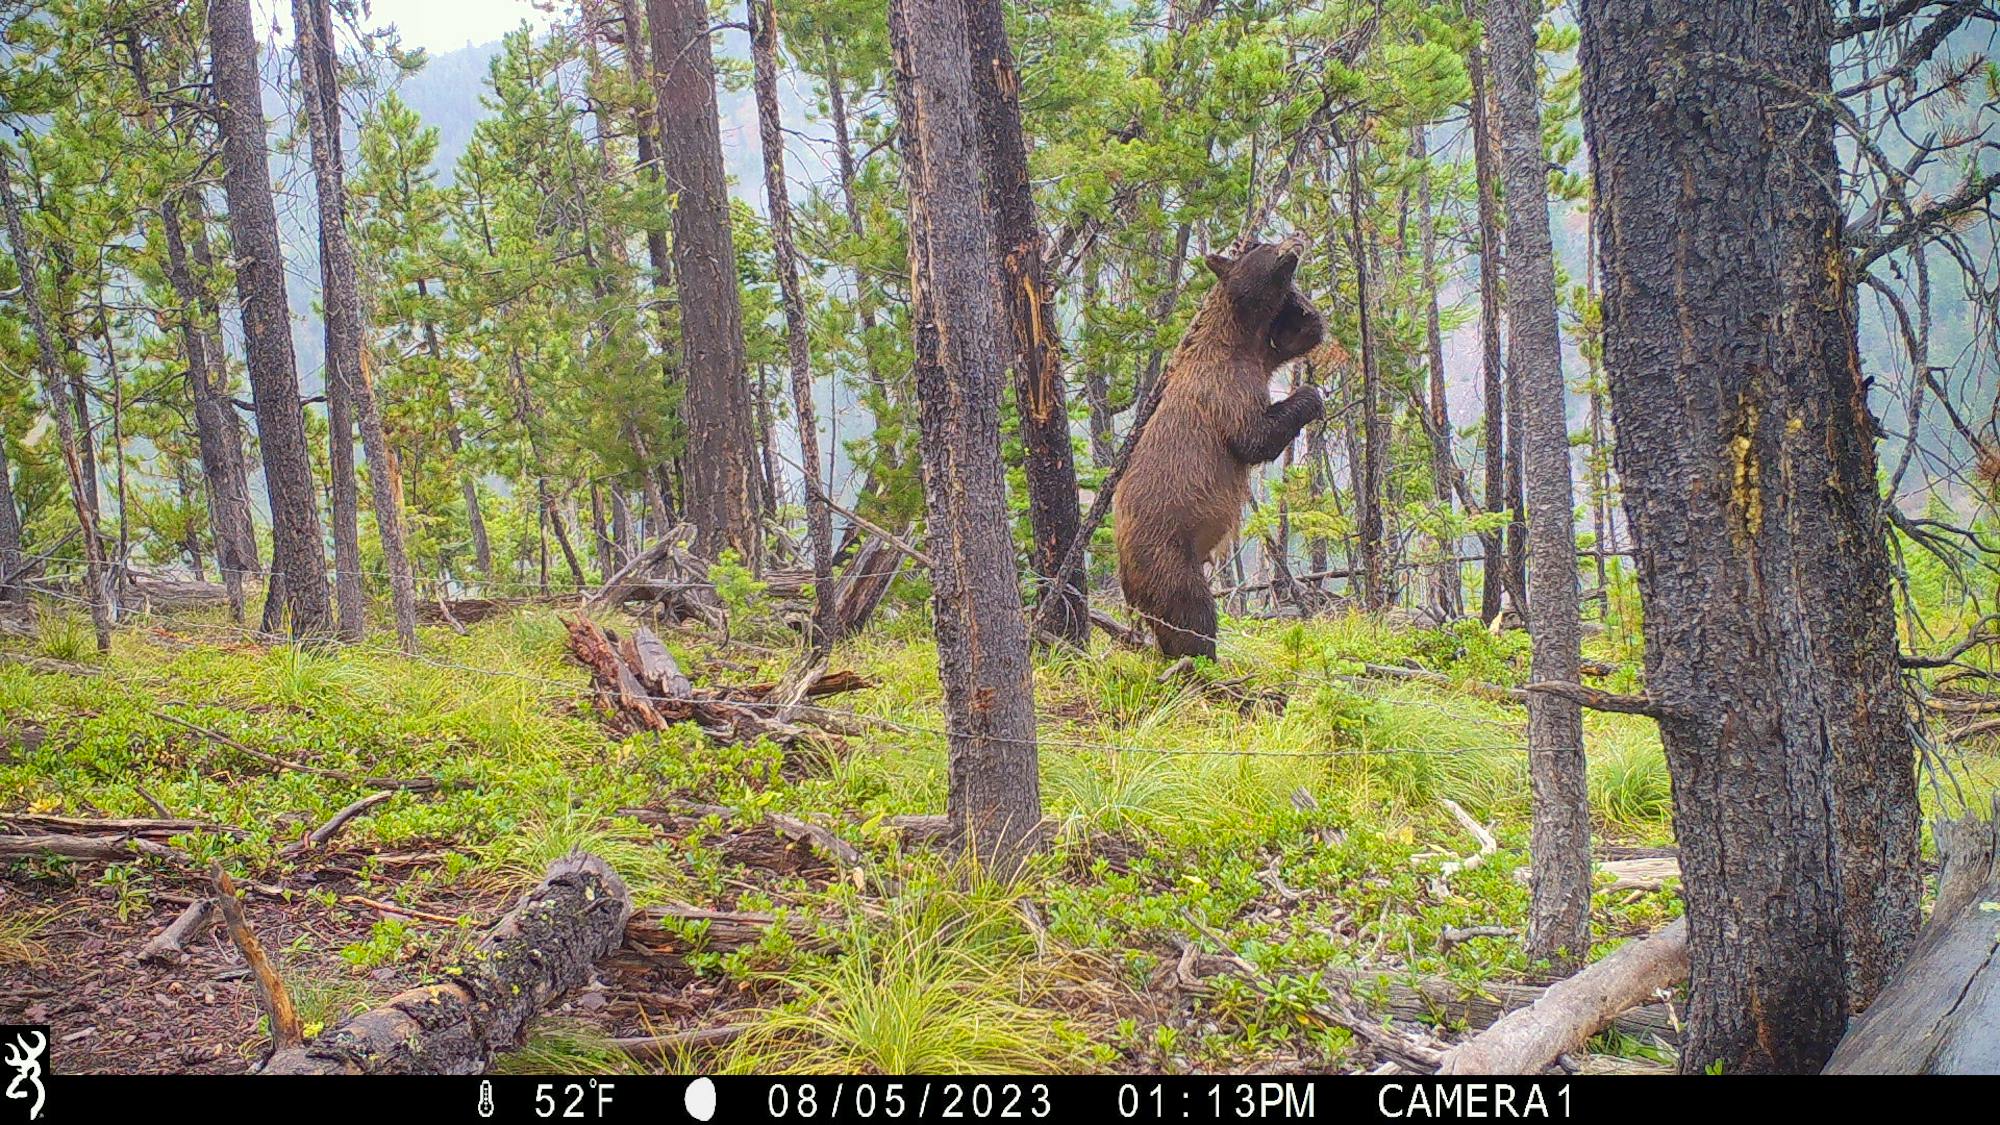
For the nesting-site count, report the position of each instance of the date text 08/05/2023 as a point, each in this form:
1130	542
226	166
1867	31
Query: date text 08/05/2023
1262	1100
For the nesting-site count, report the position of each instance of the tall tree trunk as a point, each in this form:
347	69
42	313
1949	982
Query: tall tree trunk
994	795
1445	579
1097	386
1048	458
229	424
721	462
607	547
267	330
1368	469
346	361
1493	577
1559	911
819	518
644	130
1747	458
350	595
98	592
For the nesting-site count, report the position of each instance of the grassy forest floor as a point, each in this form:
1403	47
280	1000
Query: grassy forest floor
1285	804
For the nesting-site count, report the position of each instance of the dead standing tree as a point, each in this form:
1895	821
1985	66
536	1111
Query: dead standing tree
994	799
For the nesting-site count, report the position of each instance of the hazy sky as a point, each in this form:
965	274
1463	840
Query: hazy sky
436	25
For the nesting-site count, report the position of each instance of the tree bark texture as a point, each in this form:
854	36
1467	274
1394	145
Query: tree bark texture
1493	584
721	462
1048	458
267	331
346	359
1747	457
994	797
1368	468
1559	914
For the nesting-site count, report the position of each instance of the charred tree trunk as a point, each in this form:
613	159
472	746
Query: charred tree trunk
721	463
1048	457
1559	913
267	330
25	263
1493	577
995	795
350	596
819	518
1747	457
346	358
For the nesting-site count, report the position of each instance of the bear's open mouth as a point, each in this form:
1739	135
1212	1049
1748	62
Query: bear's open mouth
1291	324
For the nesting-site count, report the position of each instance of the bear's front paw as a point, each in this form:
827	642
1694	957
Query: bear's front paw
1311	404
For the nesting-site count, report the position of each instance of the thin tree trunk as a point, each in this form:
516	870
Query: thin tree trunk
1368	471
1493	577
1048	460
1559	910
1747	459
229	425
721	472
607	548
350	597
30	285
1097	387
347	360
1445	580
994	794
10	526
644	131
819	518
267	331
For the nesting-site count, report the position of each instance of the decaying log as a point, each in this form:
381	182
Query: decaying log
147	827
664	1046
719	930
169	946
1940	1013
1527	1040
641	686
117	849
1639	873
547	945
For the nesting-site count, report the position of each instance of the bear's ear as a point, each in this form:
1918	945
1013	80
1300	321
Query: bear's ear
1219	265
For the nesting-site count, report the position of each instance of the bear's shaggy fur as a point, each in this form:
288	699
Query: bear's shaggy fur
1189	479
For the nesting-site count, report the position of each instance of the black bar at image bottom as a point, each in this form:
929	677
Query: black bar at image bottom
1103	1099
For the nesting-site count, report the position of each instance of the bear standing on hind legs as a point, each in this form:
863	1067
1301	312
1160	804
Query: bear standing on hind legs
1189	479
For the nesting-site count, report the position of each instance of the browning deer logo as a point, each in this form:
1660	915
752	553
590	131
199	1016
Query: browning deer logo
26	1061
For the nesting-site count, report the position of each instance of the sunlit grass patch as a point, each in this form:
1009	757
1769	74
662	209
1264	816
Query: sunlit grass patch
946	983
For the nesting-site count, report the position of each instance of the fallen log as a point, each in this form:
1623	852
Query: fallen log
547	945
151	829
117	849
865	584
668	574
169	946
1940	1013
1527	1041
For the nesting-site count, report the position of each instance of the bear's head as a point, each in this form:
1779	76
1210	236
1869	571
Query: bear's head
1264	305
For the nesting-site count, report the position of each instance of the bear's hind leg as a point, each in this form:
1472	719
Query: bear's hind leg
1183	619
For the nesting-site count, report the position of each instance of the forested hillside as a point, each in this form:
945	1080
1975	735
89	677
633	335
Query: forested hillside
1406	536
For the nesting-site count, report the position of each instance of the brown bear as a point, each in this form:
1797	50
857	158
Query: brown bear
1189	478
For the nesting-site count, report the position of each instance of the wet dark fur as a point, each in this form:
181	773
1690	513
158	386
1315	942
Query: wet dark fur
1184	492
